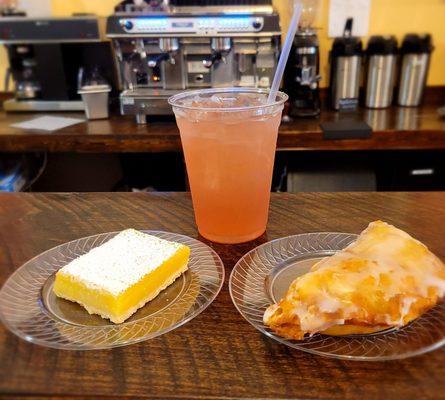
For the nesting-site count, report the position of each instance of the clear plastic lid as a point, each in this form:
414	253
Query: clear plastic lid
226	99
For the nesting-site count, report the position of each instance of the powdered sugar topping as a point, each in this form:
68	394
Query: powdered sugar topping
121	262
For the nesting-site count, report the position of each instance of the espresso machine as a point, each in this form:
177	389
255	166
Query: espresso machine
45	57
301	79
188	45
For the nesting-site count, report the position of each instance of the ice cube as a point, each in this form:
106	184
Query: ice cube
216	101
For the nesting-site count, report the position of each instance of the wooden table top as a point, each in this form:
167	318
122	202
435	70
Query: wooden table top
393	128
217	355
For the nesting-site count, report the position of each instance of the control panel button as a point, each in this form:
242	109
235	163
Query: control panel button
128	25
256	24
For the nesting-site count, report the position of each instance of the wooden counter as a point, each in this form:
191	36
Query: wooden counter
393	128
217	355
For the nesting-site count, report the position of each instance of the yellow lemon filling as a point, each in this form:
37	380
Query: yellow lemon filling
117	278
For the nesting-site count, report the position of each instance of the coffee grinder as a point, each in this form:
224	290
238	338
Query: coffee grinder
301	80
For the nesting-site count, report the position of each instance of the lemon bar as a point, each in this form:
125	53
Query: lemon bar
120	276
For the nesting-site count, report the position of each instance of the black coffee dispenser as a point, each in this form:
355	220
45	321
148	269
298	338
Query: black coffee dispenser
346	63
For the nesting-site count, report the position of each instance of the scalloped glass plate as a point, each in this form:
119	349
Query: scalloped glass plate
263	276
29	308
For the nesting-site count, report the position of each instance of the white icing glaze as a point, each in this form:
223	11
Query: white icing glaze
405	307
328	303
120	262
437	283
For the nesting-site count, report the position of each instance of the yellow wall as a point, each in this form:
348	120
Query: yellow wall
67	7
395	17
387	17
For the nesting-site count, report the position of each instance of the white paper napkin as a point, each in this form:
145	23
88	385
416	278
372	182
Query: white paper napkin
47	123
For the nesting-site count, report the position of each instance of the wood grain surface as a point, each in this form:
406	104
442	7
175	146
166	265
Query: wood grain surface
218	355
393	128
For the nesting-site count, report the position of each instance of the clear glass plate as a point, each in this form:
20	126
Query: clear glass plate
263	276
29	308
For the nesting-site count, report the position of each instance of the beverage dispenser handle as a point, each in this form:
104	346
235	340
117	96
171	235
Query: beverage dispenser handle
347	32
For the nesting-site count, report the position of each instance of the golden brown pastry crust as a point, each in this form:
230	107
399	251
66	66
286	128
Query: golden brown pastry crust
384	279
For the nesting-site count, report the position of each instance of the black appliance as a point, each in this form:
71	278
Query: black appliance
301	80
45	56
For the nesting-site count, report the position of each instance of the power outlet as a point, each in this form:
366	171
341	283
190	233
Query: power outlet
341	10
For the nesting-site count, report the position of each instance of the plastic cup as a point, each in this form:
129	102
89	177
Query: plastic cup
229	138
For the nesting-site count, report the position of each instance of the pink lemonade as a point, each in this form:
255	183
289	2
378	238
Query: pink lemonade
229	138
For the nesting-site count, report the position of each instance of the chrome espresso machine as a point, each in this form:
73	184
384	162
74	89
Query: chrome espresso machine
188	45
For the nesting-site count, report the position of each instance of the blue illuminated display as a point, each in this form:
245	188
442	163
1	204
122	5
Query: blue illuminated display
151	23
233	23
224	22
